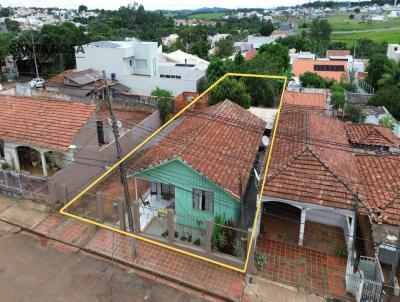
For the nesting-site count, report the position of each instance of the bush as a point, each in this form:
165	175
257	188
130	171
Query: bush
388	122
233	90
312	80
165	102
353	112
197	242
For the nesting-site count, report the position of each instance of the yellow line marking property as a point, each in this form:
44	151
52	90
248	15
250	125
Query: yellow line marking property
101	177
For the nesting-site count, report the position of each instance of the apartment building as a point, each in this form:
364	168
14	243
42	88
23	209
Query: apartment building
142	66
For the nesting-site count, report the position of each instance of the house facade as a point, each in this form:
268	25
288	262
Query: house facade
142	66
206	170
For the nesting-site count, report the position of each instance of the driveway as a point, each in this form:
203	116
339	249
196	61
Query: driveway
36	269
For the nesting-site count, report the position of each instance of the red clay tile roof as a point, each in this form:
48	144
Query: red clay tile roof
183	99
301	66
337	53
220	142
44	123
380	175
305	167
316	101
250	54
370	134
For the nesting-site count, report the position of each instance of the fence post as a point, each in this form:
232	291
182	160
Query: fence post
121	215
100	209
136	217
171	226
251	245
52	192
208	236
64	194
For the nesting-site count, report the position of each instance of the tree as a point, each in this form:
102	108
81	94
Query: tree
320	35
238	60
225	47
82	8
278	53
267	28
5	42
388	122
233	90
339	45
261	92
215	70
376	69
337	100
388	97
200	49
391	75
165	102
353	112
12	26
298	42
310	79
366	48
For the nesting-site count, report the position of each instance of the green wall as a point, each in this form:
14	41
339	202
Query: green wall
186	179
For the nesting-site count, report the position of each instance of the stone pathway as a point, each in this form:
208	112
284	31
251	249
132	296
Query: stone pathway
179	267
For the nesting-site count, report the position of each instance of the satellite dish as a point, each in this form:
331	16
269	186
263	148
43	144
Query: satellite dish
265	141
119	124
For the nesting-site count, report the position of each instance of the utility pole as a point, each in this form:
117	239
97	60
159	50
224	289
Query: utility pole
355	228
34	55
124	180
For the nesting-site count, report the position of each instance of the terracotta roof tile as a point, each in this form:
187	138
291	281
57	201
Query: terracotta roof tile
44	123
220	142
380	175
316	101
305	167
370	134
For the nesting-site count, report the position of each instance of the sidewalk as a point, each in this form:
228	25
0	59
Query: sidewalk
166	263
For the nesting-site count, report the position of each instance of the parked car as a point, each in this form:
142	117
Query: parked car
37	82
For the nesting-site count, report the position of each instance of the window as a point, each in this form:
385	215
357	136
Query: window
328	68
1	149
167	190
130	63
203	200
140	63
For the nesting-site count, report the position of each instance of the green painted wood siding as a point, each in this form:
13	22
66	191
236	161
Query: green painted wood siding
185	179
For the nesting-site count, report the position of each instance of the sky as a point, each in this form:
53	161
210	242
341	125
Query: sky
152	4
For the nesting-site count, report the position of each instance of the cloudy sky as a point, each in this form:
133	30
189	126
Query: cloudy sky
151	4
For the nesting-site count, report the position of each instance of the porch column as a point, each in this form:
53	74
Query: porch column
302	225
15	158
44	165
351	232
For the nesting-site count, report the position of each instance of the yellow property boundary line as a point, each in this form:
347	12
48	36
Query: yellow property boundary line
101	177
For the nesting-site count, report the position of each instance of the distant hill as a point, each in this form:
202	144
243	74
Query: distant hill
202	10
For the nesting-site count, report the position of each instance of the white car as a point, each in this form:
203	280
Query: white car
37	82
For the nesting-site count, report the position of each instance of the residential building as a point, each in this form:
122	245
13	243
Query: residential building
340	55
331	70
257	41
142	66
35	134
210	175
393	52
169	40
303	55
213	40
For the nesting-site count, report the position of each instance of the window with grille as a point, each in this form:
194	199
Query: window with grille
329	68
203	200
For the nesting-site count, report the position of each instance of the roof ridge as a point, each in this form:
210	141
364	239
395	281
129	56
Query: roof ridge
288	163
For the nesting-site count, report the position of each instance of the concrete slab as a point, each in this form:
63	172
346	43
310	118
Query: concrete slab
266	291
25	213
7	228
5	202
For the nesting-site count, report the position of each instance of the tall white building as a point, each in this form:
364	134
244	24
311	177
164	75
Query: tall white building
142	66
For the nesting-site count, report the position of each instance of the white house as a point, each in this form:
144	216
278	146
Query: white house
393	52
142	66
257	41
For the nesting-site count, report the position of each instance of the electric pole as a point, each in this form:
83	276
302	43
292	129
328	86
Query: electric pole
34	55
124	180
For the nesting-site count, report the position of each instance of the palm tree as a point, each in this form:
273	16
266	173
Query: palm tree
391	77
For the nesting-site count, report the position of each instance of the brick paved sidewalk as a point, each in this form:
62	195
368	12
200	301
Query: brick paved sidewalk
187	269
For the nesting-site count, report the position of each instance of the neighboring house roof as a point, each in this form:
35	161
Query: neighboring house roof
372	135
358	98
82	78
306	166
317	101
380	175
250	54
182	57
44	123
301	66
183	99
285	32
337	53
220	142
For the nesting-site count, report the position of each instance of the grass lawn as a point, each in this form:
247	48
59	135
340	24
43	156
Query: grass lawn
207	16
390	36
341	22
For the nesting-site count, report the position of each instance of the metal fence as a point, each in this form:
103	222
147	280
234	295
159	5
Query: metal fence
23	185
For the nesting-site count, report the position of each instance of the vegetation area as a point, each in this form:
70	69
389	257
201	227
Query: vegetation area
389	36
207	16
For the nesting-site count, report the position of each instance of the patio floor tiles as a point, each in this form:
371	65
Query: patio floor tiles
73	230
49	223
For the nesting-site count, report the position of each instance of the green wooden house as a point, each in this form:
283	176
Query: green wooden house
203	164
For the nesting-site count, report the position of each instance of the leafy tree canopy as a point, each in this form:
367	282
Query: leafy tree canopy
267	28
233	90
